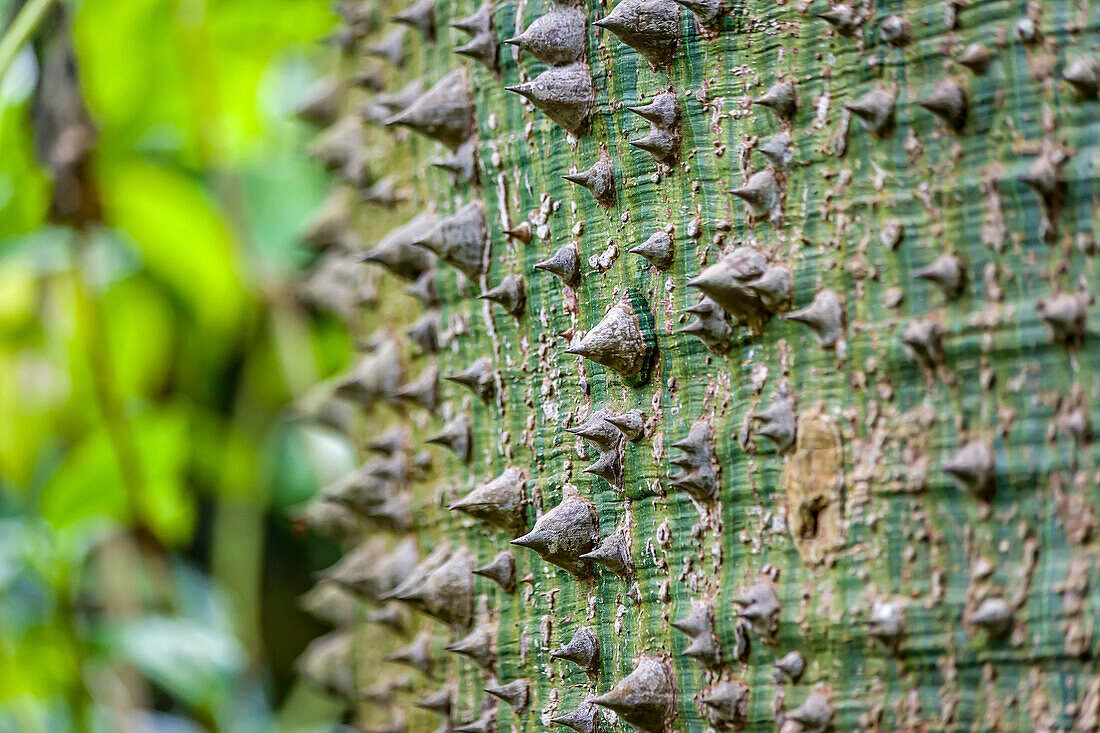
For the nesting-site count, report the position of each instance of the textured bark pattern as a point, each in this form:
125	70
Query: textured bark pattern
922	599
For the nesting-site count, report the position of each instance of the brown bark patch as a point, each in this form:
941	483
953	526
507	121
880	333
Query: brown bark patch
813	480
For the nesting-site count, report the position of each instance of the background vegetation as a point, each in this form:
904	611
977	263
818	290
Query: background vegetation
147	460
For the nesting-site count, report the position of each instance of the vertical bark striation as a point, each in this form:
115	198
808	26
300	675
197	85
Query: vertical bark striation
881	478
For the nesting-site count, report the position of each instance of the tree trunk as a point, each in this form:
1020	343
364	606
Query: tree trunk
818	457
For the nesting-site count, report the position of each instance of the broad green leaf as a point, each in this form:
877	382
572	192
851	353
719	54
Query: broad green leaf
182	237
305	458
18	296
90	486
24	187
140	331
133	79
33	394
191	661
37	663
281	193
243	39
165	452
183	77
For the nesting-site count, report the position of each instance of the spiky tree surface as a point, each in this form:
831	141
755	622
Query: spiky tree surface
778	392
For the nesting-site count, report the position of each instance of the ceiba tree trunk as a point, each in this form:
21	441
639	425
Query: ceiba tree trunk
726	364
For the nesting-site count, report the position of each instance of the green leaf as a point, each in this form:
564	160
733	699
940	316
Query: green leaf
183	238
133	80
243	39
191	661
182	77
89	486
140	335
166	502
24	187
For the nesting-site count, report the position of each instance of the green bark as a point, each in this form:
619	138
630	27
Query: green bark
859	509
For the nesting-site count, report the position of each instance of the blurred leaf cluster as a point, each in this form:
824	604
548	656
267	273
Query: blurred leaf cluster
145	365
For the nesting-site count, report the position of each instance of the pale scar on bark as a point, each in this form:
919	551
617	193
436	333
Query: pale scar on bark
813	481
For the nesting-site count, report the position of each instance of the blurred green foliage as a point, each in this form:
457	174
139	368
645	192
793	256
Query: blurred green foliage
145	366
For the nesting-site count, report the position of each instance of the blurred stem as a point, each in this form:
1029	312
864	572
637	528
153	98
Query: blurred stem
21	30
237	562
90	319
122	556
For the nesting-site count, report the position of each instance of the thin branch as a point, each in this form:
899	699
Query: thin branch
21	30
